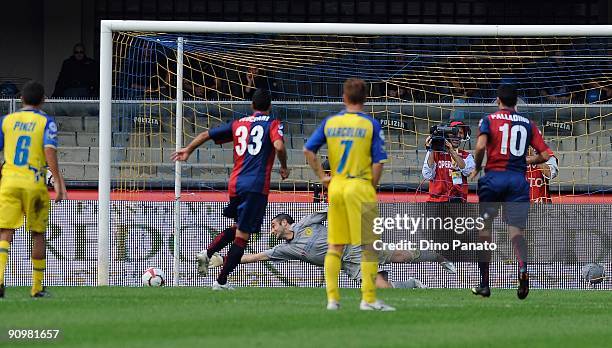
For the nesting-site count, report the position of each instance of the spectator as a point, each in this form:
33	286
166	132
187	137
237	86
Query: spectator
558	73
397	92
146	73
8	90
595	92
447	171
78	77
200	79
255	79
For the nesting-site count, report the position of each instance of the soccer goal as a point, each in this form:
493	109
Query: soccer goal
161	83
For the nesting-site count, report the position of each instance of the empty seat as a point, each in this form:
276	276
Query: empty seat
73	154
562	143
296	142
120	139
72	171
67	139
91	124
117	155
91	171
143	155
69	123
604	143
87	139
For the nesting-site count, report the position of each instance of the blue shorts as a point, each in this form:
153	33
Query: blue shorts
508	188
248	210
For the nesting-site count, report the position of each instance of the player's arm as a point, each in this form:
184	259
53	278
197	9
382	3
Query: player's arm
481	145
50	144
276	136
377	152
281	152
377	170
251	258
58	183
537	142
479	153
314	143
220	135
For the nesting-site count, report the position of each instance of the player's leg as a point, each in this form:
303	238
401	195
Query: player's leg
37	217
251	212
337	238
488	196
10	219
220	241
6	237
331	268
39	264
362	209
516	212
231	261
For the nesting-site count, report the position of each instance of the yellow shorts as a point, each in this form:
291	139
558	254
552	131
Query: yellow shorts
347	213
17	201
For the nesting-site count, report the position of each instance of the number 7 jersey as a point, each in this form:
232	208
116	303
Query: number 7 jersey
253	138
509	136
23	136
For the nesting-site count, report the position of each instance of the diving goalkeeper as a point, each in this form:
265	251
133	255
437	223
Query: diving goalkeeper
306	241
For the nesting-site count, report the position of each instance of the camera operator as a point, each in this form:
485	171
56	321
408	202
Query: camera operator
446	166
539	176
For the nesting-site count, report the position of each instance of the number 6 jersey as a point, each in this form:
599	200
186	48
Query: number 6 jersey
510	135
23	136
253	137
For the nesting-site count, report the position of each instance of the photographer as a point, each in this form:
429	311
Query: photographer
446	166
539	176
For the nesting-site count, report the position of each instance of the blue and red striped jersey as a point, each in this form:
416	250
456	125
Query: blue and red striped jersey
509	137
253	137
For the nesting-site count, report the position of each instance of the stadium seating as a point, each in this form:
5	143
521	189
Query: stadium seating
585	158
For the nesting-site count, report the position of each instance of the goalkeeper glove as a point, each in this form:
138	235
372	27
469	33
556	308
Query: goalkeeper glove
215	261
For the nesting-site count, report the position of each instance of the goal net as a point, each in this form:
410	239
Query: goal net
414	82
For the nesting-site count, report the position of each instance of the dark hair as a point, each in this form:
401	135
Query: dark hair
355	90
384	275
261	100
283	216
507	95
33	93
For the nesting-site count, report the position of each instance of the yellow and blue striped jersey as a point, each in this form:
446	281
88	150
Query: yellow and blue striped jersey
354	142
23	136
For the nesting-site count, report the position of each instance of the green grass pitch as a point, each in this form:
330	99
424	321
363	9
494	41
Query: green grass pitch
295	317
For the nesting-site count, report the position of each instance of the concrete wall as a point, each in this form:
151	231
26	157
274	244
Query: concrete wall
38	35
21	46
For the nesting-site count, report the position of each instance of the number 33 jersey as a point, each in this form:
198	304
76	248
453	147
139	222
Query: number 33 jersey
23	137
253	138
510	135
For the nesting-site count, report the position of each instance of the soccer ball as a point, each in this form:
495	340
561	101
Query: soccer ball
593	273
153	277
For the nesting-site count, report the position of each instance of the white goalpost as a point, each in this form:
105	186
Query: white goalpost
108	27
